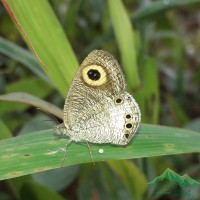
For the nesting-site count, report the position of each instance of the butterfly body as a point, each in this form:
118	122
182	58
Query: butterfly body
97	108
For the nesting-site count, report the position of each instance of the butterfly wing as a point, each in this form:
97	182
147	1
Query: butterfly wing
97	104
110	123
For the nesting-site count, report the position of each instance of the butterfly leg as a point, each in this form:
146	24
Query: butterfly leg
65	155
88	145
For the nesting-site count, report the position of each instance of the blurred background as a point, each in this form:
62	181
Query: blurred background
167	46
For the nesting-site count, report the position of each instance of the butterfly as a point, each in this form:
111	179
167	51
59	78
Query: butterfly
98	109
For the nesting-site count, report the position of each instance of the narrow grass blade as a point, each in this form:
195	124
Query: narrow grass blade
160	6
23	56
33	86
125	38
34	101
151	91
131	176
5	132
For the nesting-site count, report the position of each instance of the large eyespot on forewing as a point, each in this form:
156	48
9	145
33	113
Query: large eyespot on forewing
113	80
94	75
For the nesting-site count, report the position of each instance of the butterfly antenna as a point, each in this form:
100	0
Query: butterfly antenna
65	154
90	153
49	115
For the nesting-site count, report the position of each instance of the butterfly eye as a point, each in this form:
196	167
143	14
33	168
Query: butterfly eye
94	75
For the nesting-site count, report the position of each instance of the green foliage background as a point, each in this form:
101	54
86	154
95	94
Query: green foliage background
157	44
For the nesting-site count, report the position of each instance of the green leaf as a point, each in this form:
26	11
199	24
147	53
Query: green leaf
112	182
149	95
34	101
32	191
24	187
45	37
57	179
42	150
160	6
125	38
131	176
103	181
23	56
30	85
193	125
179	115
70	20
33	86
5	132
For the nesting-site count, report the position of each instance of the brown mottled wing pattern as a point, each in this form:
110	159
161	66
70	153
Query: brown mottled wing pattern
97	108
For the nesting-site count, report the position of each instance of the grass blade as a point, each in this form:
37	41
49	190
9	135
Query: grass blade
45	37
23	56
160	6
34	101
125	38
40	151
131	176
33	86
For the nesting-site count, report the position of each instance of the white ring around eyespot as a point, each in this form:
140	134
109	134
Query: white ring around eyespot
103	75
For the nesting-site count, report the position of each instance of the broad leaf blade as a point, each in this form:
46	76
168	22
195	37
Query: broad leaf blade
40	151
46	39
